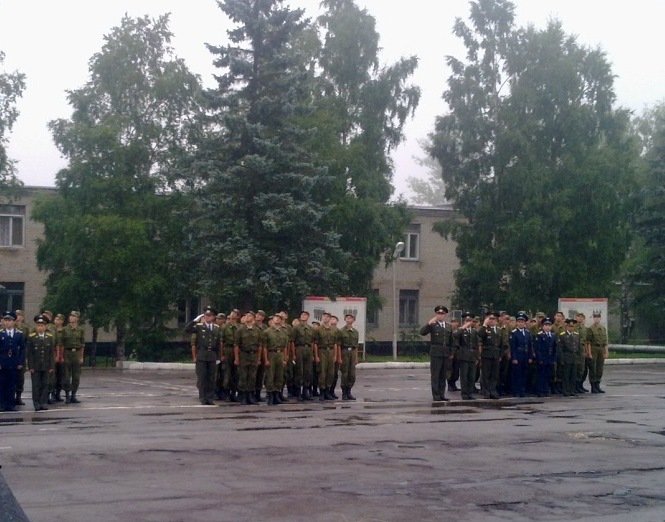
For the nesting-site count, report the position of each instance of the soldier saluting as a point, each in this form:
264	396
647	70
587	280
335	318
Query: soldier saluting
440	351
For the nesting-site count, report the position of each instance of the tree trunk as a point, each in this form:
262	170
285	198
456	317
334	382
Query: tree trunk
121	333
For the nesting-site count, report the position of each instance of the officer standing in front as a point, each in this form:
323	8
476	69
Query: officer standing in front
206	342
569	349
440	351
40	356
74	346
12	357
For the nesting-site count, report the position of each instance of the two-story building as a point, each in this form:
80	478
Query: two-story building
423	274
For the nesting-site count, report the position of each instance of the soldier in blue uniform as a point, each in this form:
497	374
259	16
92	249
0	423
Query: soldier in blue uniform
545	354
12	357
440	351
521	354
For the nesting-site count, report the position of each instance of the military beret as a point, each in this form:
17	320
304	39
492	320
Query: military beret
440	309
9	315
41	319
75	313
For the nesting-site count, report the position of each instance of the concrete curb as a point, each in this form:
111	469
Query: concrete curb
133	365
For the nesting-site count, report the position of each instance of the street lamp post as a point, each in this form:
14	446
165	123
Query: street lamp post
399	247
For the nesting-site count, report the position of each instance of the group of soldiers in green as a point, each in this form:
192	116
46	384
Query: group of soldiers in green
52	354
515	355
236	356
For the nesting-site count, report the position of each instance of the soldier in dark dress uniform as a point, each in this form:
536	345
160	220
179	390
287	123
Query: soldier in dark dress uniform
465	341
206	342
489	336
74	349
40	356
440	351
521	354
12	357
545	355
569	349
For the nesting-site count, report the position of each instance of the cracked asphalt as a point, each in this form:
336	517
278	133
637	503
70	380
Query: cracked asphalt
140	448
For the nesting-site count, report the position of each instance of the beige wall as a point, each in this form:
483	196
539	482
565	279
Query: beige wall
432	274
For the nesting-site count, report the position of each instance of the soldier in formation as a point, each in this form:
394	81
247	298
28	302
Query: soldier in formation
515	355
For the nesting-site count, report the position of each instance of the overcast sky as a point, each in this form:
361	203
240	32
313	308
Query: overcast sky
52	41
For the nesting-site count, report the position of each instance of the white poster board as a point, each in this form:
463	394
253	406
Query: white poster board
339	307
572	305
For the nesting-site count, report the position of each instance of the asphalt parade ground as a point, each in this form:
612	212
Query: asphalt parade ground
140	448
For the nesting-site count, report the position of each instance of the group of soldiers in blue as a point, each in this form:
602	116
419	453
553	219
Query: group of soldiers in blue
236	356
52	353
515	356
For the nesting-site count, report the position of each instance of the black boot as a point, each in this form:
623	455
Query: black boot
276	399
599	389
258	397
308	393
323	396
51	398
315	391
73	399
68	398
348	394
583	389
345	397
594	388
331	393
301	395
19	401
270	399
57	396
251	397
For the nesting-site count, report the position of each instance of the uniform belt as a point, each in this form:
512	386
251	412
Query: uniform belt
74	349
325	347
348	347
306	345
275	349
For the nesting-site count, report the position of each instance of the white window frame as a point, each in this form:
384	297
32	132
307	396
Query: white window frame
411	250
9	214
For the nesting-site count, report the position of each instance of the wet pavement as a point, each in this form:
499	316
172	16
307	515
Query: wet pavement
140	448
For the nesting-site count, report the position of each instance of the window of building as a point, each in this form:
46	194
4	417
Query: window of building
12	218
372	318
411	250
408	307
188	309
12	296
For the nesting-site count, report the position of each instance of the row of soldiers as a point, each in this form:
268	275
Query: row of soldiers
515	355
255	350
51	352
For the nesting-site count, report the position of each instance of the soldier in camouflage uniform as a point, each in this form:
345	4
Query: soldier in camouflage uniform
247	353
303	338
74	351
275	355
230	382
584	356
597	339
325	354
568	344
348	344
465	342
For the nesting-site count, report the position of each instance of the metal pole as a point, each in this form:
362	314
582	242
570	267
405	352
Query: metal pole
398	250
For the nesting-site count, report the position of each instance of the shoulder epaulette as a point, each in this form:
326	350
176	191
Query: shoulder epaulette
33	334
514	330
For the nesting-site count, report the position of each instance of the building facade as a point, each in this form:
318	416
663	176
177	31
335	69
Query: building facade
423	277
424	272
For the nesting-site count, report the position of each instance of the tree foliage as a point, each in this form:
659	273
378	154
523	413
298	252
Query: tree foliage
537	160
11	88
109	237
292	175
646	269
